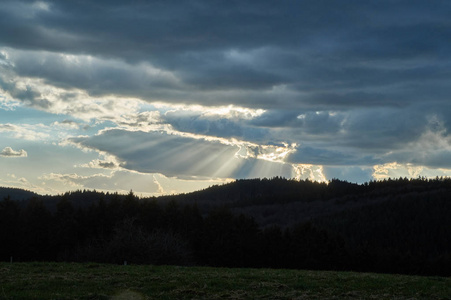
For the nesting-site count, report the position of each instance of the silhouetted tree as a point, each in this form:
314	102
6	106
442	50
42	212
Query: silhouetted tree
37	223
9	228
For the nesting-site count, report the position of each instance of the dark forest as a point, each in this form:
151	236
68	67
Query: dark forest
391	226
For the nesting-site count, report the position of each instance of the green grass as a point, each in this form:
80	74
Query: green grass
100	281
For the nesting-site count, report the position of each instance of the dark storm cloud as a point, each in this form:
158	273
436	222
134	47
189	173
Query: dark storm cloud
432	158
340	53
383	129
214	125
277	118
97	76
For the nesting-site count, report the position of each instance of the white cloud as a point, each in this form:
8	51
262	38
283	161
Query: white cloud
310	172
18	182
116	181
9	152
109	162
30	132
396	170
67	124
6	103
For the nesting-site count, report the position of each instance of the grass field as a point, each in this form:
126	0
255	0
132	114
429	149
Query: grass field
99	281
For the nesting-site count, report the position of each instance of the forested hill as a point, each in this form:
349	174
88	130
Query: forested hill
16	194
285	202
399	226
276	201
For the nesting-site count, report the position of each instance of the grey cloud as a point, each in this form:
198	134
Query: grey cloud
320	123
208	126
225	68
182	157
27	94
324	155
97	76
436	159
260	128
362	137
301	123
107	165
432	148
383	129
356	137
217	24
70	123
214	125
277	118
332	52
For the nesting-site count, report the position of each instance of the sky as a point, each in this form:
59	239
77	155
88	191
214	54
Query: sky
167	97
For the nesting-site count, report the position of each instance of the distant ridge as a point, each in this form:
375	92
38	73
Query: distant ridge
276	201
16	194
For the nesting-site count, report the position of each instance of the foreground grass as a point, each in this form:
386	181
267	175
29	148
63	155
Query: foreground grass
99	281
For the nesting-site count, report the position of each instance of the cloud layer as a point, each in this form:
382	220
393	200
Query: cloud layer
229	89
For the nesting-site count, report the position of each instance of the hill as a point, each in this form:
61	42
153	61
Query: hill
391	226
16	194
277	201
285	202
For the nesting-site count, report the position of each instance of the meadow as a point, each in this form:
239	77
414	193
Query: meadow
42	280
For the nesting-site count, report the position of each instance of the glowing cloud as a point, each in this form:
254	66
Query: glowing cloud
397	170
